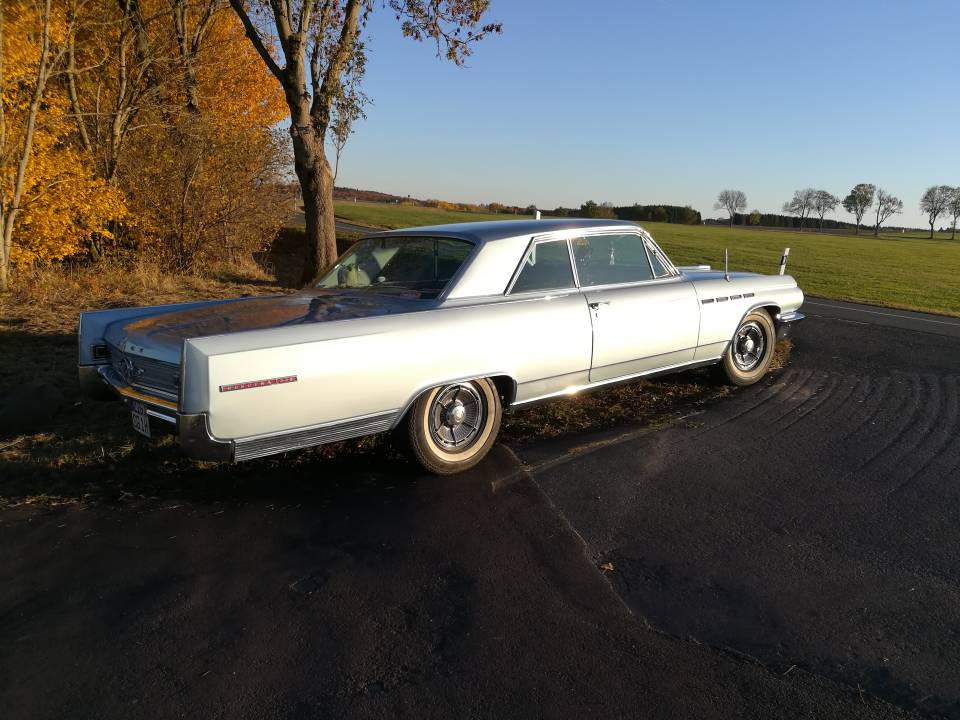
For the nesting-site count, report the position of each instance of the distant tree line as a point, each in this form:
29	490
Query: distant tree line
864	200
682	215
777	220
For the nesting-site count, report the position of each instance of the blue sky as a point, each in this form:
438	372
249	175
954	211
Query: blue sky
668	102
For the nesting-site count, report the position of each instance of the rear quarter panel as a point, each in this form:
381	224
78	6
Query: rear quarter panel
353	368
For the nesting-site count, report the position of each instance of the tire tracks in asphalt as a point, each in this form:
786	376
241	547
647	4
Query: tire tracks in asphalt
882	432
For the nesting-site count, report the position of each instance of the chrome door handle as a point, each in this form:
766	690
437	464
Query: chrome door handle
596	305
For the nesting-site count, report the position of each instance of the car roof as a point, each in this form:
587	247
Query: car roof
491	230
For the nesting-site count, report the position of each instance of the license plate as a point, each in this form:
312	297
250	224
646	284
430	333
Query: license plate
141	421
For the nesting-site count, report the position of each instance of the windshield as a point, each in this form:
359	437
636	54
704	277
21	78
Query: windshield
421	265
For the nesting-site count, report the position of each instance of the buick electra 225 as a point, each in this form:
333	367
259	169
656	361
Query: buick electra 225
431	332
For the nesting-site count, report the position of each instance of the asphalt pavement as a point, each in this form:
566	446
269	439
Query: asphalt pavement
353	228
789	551
884	317
342	226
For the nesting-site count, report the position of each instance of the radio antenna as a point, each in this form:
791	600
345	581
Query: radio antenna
726	264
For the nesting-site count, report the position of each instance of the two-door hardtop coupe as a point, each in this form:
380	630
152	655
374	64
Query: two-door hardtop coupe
432	330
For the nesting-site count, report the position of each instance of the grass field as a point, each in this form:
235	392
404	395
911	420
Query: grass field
901	271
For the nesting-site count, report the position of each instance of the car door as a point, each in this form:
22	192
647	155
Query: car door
549	325
643	319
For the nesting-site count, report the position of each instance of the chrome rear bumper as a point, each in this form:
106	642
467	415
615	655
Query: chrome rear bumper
103	382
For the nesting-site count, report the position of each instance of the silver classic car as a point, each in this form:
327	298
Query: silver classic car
432	331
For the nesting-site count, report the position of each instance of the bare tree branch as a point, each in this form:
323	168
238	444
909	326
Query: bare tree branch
954	210
824	202
934	202
254	36
887	206
801	204
733	201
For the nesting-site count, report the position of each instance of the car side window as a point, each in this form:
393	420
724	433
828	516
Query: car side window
611	259
659	269
546	267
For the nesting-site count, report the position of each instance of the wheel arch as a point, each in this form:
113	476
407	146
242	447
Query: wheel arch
772	309
504	383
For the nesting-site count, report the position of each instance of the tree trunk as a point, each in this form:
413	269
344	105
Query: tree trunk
9	213
6	236
953	233
316	181
931	230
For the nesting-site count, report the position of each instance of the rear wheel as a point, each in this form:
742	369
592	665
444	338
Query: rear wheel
748	356
452	427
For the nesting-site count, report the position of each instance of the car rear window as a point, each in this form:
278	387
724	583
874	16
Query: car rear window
421	265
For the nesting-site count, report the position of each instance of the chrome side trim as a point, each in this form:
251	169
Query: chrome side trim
573	263
636	283
262	445
574	389
664	258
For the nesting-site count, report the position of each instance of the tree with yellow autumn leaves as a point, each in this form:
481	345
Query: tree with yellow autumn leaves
134	125
50	200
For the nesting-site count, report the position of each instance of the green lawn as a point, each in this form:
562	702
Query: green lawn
399	216
904	271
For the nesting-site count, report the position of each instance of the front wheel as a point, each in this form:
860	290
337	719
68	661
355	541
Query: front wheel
747	359
452	427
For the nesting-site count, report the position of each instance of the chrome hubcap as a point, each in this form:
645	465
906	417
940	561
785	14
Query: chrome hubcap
456	414
749	346
456	417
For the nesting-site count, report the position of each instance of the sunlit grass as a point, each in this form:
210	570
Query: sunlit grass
896	271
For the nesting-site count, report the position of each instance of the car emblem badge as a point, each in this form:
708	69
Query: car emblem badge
130	369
